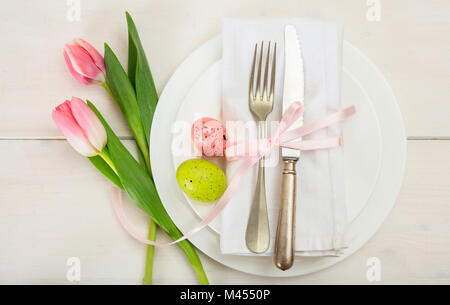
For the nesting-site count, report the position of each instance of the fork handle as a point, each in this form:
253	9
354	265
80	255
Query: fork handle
257	235
285	238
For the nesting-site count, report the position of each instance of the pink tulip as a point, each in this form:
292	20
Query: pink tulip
84	62
81	126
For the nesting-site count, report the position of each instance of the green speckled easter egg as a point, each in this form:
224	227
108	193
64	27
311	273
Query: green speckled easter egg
201	180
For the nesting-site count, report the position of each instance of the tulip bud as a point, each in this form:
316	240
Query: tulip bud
81	126
84	62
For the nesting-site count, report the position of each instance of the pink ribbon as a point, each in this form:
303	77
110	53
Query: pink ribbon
282	137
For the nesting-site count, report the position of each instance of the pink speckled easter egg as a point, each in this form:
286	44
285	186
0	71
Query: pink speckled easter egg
209	136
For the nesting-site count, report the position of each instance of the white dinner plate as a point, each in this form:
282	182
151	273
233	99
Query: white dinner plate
362	138
375	150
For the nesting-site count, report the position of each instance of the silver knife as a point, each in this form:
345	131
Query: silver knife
294	90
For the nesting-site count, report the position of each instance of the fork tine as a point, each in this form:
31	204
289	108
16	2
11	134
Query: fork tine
272	80
252	74
258	77
266	72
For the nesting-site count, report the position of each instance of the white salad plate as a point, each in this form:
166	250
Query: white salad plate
374	153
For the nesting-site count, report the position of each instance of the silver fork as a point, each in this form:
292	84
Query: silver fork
261	104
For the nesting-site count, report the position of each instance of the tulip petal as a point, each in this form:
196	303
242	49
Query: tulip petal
96	56
89	123
64	119
82	62
80	78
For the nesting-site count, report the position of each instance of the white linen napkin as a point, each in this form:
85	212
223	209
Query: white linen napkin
321	212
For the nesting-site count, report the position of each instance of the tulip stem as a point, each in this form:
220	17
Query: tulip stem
147	280
144	153
152	228
105	85
108	160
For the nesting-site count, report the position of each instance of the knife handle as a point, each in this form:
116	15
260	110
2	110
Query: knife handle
285	238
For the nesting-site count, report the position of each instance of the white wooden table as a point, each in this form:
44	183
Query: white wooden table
55	205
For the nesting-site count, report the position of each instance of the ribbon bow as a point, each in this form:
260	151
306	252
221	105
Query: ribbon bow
282	137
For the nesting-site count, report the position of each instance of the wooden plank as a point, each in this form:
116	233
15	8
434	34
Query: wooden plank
409	45
55	205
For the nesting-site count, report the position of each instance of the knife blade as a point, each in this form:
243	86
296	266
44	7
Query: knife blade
294	89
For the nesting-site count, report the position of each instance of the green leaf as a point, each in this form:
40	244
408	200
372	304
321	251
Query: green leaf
136	181
141	77
132	60
123	92
142	161
104	168
142	191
